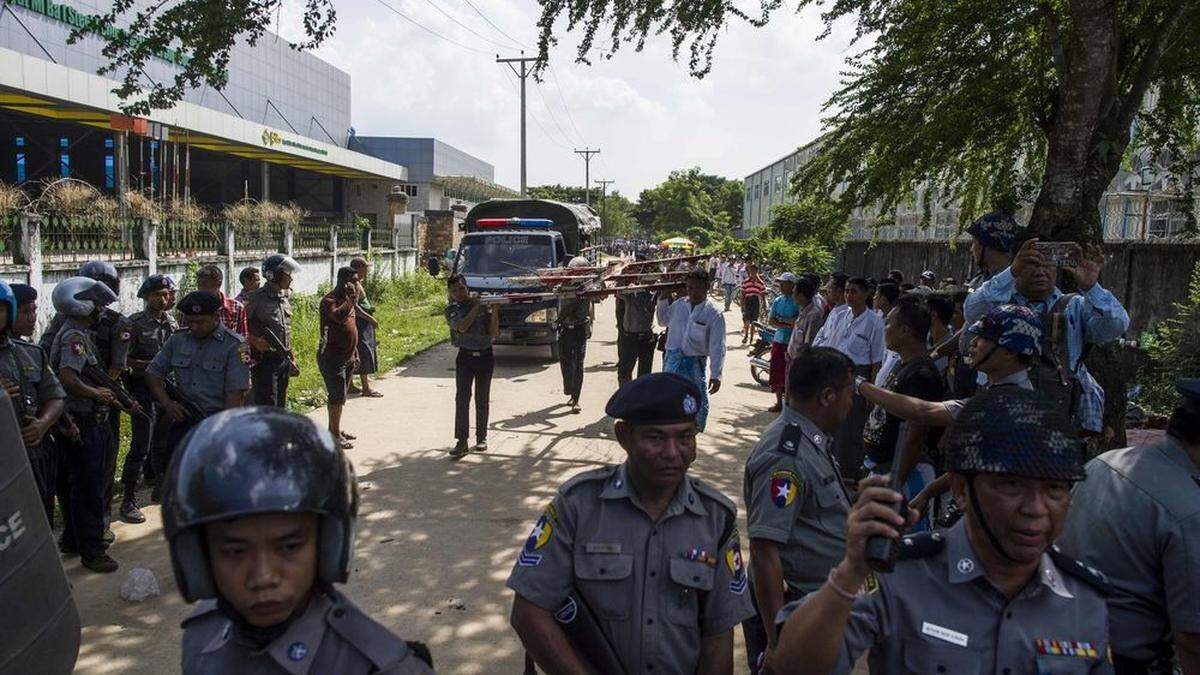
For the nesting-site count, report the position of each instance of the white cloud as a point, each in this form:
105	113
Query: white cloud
643	110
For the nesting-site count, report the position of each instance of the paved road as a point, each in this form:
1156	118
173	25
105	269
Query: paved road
435	535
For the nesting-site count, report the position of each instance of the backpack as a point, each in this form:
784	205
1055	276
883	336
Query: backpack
1050	372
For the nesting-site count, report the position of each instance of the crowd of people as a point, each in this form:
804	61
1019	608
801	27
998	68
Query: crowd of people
924	494
168	367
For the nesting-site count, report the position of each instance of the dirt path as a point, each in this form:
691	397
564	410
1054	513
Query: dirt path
435	535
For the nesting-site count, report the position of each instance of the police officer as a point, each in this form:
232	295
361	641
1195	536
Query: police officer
990	595
649	551
269	319
993	238
1138	515
209	363
37	397
150	330
81	300
796	501
259	514
574	325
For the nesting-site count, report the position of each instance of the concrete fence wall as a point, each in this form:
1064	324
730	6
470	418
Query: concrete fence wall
1149	278
387	258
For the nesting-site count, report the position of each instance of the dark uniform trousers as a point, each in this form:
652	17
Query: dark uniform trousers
160	457
754	629
83	465
269	380
43	460
147	436
572	348
634	349
472	368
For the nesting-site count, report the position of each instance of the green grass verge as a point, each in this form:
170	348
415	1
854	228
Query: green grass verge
410	313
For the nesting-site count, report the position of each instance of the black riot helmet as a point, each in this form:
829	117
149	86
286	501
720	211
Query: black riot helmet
250	461
277	263
102	271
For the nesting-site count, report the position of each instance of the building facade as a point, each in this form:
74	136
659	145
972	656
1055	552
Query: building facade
440	176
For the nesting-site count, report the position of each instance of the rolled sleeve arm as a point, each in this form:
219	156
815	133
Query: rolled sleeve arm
1105	319
994	292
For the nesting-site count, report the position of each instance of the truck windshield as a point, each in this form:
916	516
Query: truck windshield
504	255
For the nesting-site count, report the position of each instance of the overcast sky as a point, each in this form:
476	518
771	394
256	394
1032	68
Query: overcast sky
645	113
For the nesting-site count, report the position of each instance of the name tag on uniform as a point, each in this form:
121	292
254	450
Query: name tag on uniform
951	636
602	548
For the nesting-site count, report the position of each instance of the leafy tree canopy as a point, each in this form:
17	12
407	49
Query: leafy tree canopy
691	203
981	102
616	212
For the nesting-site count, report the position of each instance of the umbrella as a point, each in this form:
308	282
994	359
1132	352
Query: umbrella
679	242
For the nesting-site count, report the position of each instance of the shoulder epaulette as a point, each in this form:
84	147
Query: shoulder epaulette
921	545
1085	573
601	474
714	494
377	643
789	441
33	346
203	609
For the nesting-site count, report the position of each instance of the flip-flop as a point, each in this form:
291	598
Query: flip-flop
347	436
347	445
373	394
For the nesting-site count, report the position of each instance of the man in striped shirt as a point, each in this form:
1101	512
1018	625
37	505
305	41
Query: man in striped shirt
753	291
232	312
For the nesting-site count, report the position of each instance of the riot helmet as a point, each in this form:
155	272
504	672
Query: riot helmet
101	270
277	263
81	296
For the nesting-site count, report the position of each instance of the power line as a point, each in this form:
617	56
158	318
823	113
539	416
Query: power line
493	25
465	26
550	112
558	87
429	30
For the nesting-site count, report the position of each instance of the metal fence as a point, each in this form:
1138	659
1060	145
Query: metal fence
188	240
351	237
263	239
311	236
78	239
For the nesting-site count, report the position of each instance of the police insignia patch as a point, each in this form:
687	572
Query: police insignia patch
870	584
77	348
125	336
689	405
737	567
784	485
297	651
543	531
244	353
566	613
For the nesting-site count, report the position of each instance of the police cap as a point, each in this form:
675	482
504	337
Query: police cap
24	293
995	230
155	283
656	398
1014	431
199	303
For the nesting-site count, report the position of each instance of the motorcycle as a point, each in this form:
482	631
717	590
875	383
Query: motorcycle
760	353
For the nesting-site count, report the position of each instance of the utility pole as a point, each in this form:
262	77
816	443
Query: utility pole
521	74
604	198
587	176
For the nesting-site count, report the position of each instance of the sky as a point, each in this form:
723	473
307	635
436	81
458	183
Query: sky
644	112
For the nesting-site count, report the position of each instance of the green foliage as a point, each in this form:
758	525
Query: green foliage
571	194
802	237
187	283
616	212
700	206
1174	349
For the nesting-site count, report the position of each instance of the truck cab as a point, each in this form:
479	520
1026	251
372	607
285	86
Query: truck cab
510	238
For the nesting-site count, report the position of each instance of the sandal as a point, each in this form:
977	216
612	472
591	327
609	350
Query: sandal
347	436
373	394
346	445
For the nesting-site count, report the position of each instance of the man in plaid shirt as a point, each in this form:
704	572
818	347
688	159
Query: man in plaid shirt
232	312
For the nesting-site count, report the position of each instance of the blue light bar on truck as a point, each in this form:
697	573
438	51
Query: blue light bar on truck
529	223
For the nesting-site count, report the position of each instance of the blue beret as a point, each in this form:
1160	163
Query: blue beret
1008	430
657	398
24	293
155	283
1189	387
995	230
198	303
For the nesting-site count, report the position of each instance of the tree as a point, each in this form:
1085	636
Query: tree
981	102
693	203
198	34
562	193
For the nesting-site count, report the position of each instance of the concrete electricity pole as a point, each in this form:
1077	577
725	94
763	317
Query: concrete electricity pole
587	176
603	198
521	74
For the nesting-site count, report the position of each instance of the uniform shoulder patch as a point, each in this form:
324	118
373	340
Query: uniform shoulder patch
923	545
601	474
714	494
377	643
790	439
1079	570
243	351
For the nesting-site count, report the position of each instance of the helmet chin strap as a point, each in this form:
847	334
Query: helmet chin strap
986	357
983	521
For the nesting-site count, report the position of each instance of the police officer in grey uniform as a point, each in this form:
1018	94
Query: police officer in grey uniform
988	596
652	552
81	300
796	501
259	515
269	313
37	397
209	362
150	329
1138	516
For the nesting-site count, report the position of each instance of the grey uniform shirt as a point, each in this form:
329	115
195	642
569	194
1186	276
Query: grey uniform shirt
206	369
331	636
574	312
938	613
149	334
476	337
25	365
72	347
657	588
110	333
268	308
1137	517
638	316
795	497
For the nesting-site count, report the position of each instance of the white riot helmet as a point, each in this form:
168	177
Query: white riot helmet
277	263
578	261
81	296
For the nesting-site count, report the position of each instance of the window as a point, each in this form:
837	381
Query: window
779	183
410	189
19	141
1167	218
153	165
64	157
110	170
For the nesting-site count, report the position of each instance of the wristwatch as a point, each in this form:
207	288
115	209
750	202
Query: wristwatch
858	382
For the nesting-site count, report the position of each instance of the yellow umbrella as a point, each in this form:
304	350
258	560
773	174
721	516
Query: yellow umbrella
679	242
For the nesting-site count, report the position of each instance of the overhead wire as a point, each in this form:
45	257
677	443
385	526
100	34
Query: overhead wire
429	30
470	30
534	117
493	25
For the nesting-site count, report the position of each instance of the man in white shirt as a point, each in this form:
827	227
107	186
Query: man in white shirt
695	338
856	331
727	272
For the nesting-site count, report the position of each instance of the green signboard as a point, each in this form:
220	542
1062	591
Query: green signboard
76	19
